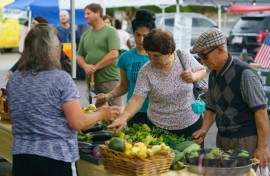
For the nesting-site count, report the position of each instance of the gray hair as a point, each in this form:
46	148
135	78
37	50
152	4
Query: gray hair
40	47
64	12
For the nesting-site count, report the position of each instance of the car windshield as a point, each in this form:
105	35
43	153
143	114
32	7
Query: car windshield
248	24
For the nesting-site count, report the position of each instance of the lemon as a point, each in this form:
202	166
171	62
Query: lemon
128	146
92	107
86	110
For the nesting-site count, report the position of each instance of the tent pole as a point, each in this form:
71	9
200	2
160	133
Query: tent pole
177	6
73	40
104	11
163	14
219	17
29	19
163	17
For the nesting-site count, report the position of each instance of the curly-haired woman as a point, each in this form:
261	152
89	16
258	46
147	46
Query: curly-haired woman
168	86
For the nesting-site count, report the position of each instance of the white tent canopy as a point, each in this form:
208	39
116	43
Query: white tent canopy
64	4
80	4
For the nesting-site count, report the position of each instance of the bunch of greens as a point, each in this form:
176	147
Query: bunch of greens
84	137
143	133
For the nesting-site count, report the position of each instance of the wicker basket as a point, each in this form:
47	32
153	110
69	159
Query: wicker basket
118	163
5	116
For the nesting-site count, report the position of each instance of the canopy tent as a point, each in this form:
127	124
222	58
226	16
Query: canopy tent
5	2
20	4
64	4
50	8
47	8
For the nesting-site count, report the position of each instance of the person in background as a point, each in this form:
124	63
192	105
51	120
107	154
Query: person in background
107	20
124	25
64	35
235	99
124	37
64	29
131	62
46	110
36	20
98	52
39	19
23	33
168	86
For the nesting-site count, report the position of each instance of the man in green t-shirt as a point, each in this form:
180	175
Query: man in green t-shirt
98	52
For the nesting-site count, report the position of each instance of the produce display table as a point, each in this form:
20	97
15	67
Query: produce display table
85	168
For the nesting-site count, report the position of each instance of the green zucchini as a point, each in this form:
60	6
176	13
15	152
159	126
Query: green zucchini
181	147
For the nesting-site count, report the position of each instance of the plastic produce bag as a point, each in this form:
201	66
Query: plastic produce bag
263	171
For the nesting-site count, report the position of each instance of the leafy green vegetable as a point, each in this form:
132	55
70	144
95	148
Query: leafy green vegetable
143	133
191	148
225	156
217	152
209	156
243	154
194	154
87	137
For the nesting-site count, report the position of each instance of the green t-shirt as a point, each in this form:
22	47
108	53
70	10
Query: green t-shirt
94	45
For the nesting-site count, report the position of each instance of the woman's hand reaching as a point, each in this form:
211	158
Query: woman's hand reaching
109	112
119	123
102	98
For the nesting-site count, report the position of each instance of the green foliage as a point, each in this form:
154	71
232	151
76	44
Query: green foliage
87	137
209	156
194	154
225	156
181	146
243	154
131	11
191	148
217	152
142	133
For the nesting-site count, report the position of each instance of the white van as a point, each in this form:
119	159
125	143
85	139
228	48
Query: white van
200	23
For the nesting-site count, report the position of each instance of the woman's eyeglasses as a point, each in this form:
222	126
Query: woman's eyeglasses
205	55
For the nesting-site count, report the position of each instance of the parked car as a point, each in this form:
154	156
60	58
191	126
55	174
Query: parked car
200	23
249	33
9	34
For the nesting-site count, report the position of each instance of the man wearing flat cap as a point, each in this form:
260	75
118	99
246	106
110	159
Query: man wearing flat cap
235	99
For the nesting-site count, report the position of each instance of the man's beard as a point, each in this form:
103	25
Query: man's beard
64	22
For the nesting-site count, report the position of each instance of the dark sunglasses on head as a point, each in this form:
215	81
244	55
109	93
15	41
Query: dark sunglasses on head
205	55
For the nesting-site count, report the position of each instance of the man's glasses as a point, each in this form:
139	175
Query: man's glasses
205	55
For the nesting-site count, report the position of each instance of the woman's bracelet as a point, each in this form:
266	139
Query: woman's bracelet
112	94
127	115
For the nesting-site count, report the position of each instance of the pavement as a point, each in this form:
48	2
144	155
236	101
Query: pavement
8	59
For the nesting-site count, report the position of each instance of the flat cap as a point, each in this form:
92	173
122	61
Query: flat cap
211	38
